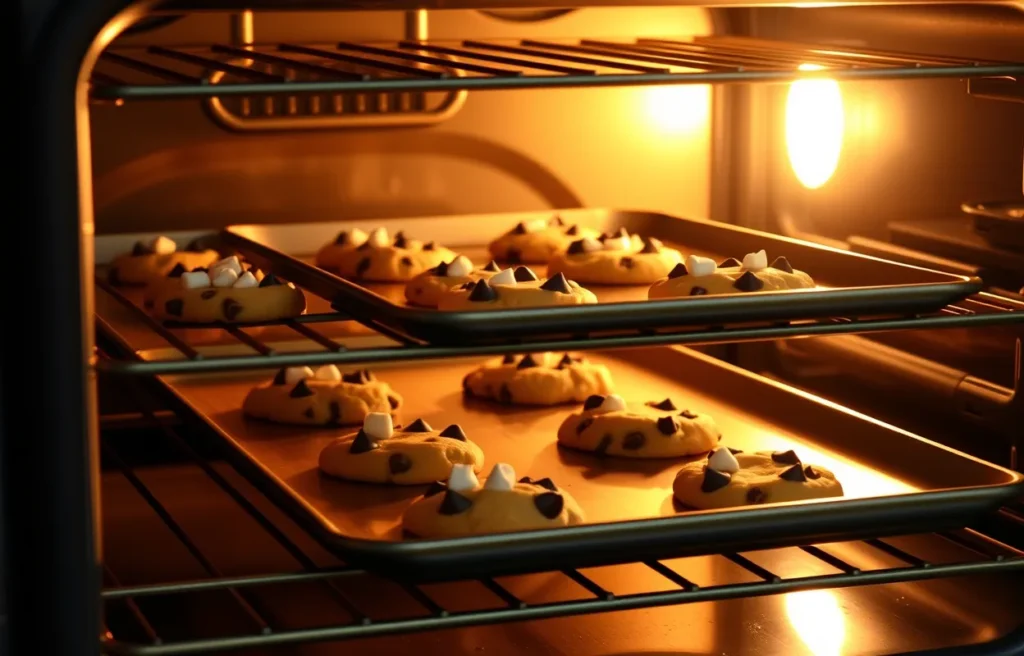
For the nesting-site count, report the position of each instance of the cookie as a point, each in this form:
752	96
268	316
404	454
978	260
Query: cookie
514	288
413	455
326	397
464	506
426	289
226	292
729	478
615	259
378	258
534	242
154	260
700	276
660	429
538	379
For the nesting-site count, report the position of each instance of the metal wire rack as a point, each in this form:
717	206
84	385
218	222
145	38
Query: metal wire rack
222	70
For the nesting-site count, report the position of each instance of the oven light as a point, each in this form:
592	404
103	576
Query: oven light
818	619
678	109
814	128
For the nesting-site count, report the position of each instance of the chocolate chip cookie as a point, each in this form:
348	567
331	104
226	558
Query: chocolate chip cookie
538	379
512	288
657	429
615	259
464	506
534	242
379	258
700	276
155	259
731	478
426	289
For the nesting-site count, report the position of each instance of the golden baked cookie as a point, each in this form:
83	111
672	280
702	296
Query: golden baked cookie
616	259
730	478
514	288
608	427
378	258
534	242
326	397
152	261
464	506
700	276
413	455
538	379
228	291
425	289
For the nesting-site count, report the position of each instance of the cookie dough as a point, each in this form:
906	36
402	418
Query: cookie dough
514	288
729	478
659	429
464	506
538	379
379	258
227	291
700	276
534	242
325	397
413	455
154	260
615	259
426	289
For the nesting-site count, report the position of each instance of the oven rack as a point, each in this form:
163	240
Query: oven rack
982	309
281	69
135	632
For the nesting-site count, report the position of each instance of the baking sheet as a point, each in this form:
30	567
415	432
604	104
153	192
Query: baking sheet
849	284
894	481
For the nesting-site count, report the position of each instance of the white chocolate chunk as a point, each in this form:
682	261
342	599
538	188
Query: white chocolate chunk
612	403
506	277
502	477
755	261
246	280
622	243
590	245
225	278
460	266
700	266
195	279
379	238
293	375
536	225
462	478
230	262
722	460
163	245
327	372
377	425
356	237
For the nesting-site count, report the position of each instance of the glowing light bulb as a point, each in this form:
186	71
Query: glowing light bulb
814	128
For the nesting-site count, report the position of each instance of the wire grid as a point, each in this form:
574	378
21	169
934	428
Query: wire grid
285	68
986	556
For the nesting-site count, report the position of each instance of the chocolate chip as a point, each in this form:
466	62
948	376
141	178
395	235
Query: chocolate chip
465	385
400	240
627	263
514	256
663	405
429	246
176	272
406	261
525	479
174	307
231	308
393	402
203	269
602	446
714	480
399	463
505	395
572	231
584	425
508	359
812	473
731	450
440	270
362	267
208	294
308	413
794	474
301	390
678	271
729	262
557	283
362	443
270	280
557	220
651	246
698	291
520	229
455	432
527	362
492	267
141	249
418	426
782	264
342	238
633	441
667	425
454	503
482	292
524	274
356	377
575	248
756	495
368	375
748	282
334	416
279	377
365	246
593	401
566	361
786	457
549	504
437	487
195	246
687	414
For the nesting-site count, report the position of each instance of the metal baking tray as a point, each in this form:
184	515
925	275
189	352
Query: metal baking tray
894	481
850	284
1001	223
